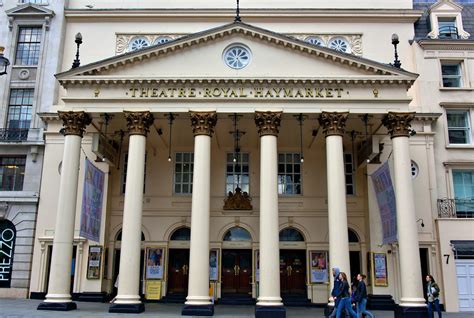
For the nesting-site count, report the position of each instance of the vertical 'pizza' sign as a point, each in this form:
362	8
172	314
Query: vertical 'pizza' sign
7	248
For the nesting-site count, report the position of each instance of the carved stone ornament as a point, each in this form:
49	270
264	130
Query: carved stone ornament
268	123
238	200
398	124
138	123
74	122
333	123
203	123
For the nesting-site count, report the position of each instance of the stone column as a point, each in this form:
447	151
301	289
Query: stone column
59	295
128	296
269	301
334	125
412	303
198	302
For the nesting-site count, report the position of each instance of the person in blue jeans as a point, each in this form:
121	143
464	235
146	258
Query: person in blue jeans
344	297
432	291
335	290
361	297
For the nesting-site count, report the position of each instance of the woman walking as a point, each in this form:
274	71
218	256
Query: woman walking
361	297
432	291
345	297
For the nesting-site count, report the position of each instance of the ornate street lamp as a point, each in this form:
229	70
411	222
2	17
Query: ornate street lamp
78	40
395	42
4	62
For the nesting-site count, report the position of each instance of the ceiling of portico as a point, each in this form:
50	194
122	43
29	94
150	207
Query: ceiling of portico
146	78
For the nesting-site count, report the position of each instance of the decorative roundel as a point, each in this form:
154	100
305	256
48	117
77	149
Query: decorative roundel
314	40
237	56
414	169
339	44
138	43
162	39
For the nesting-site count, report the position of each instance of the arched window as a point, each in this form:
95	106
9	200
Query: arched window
353	237
181	234
291	235
237	234
119	236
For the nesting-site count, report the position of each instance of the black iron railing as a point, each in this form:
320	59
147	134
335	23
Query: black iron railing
448	32
455	208
13	134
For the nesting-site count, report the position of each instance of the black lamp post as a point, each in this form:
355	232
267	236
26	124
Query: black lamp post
395	42
4	62
78	41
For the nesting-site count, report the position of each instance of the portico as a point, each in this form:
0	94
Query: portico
333	90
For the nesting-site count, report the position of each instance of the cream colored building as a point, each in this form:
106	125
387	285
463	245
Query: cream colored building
169	99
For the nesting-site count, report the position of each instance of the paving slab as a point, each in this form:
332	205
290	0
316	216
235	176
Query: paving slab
22	308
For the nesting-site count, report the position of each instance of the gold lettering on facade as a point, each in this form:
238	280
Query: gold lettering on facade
259	92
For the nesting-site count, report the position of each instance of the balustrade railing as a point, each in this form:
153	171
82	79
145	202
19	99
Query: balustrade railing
456	208
13	134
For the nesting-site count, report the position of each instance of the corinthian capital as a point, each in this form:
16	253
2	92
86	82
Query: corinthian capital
203	123
268	123
139	123
398	124
333	123
74	122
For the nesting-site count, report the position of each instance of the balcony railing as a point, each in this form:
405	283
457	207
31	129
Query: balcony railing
13	134
456	208
448	32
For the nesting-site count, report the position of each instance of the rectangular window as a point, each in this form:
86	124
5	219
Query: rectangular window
459	128
289	173
237	173
12	173
451	73
447	28
183	173
28	46
463	182
349	171
124	175
34	1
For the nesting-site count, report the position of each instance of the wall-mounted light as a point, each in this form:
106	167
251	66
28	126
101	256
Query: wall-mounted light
422	224
4	62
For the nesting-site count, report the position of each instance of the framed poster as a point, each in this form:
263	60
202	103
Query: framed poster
379	265
257	265
214	265
94	262
319	266
154	263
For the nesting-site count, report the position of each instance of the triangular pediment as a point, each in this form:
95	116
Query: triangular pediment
200	56
29	10
446	6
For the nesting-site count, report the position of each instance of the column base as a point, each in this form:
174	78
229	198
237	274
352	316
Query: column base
127	308
198	310
270	312
410	312
67	306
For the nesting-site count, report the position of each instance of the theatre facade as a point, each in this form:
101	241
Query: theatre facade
232	165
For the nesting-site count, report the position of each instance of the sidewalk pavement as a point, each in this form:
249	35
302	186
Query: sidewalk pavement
22	308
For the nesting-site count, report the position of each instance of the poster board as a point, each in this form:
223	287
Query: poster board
214	265
94	262
257	266
153	289
154	263
379	269
318	262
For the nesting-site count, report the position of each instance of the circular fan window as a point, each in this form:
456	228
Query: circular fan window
314	40
339	44
237	56
138	44
162	39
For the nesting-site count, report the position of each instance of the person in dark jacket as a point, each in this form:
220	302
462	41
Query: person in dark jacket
345	297
361	297
335	290
432	291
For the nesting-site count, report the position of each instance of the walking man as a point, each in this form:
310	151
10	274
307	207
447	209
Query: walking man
361	297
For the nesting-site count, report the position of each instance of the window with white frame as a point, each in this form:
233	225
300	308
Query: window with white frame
19	108
289	173
447	28
183	172
349	172
463	183
459	126
12	173
237	172
451	73
28	46
124	174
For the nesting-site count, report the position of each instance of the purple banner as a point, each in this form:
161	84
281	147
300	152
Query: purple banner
387	205
92	198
